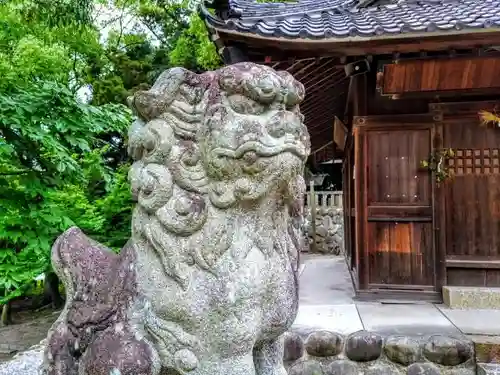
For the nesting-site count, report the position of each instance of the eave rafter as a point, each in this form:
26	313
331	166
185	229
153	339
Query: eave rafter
326	87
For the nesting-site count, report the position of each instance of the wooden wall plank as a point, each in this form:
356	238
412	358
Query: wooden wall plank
440	75
471	217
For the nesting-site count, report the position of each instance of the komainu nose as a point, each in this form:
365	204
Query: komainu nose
266	89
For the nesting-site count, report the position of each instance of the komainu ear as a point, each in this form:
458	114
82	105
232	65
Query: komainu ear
295	91
169	87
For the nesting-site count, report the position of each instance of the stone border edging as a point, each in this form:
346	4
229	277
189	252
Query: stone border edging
328	353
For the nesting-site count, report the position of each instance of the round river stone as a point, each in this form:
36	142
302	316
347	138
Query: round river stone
306	367
324	344
294	347
403	350
363	346
447	351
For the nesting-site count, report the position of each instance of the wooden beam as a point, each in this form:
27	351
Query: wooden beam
295	63
313	130
383	45
321	88
324	116
431	76
331	72
313	101
232	55
305	68
339	133
313	71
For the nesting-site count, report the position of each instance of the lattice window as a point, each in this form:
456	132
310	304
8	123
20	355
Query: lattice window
475	161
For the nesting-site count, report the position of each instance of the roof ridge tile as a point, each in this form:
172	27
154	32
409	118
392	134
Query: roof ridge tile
315	19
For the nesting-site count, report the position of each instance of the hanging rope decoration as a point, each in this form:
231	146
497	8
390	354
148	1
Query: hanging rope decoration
487	118
437	163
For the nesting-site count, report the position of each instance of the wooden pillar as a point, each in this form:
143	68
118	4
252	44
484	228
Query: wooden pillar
438	202
360	108
312	200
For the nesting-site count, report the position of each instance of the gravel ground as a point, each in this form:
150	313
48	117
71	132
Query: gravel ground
26	363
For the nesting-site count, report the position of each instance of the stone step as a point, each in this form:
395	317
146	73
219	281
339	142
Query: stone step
461	297
488	369
486	348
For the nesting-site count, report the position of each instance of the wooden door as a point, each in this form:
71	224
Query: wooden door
399	235
471	219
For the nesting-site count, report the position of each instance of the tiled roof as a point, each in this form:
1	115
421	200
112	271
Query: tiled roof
319	19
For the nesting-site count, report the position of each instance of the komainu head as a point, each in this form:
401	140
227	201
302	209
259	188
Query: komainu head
217	141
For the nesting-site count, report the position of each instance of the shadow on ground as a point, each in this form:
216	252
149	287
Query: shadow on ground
29	329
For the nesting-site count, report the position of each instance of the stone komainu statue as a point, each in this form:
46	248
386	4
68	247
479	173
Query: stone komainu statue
208	282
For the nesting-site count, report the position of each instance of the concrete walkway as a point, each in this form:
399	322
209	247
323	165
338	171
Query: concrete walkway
326	302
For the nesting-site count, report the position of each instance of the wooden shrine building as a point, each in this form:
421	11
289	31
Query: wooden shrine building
390	86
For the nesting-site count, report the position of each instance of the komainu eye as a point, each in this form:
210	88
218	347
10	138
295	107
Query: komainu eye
242	104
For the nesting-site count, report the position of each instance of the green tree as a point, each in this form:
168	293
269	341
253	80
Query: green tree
44	135
63	162
162	34
52	168
144	38
193	49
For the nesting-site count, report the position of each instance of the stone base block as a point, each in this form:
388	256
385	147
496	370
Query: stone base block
488	369
458	297
487	348
369	353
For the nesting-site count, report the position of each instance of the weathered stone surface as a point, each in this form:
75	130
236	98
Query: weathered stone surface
322	211
423	369
322	231
100	291
488	369
25	363
486	348
294	347
381	369
306	367
402	349
324	344
329	230
461	371
208	282
363	346
447	351
466	297
341	367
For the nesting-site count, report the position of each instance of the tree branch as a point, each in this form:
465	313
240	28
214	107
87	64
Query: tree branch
14	173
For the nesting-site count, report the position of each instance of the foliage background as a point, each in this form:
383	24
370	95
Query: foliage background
67	67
